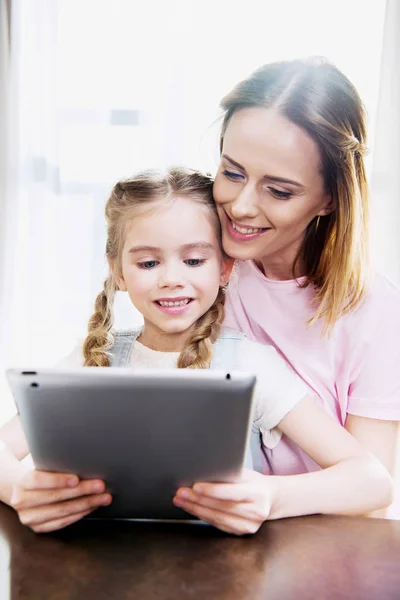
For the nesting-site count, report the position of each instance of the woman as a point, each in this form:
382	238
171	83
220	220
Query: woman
292	197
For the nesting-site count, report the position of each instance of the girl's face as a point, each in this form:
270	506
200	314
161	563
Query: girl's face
172	268
268	188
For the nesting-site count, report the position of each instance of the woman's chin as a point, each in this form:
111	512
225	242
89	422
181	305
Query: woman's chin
238	251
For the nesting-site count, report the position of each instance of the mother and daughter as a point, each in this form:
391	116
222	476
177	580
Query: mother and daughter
290	204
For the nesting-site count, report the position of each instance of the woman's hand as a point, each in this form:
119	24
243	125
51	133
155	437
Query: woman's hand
238	508
49	501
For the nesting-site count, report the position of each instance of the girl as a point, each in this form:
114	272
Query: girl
292	195
164	249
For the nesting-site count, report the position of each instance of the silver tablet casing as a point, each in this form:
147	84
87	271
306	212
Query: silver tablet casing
145	434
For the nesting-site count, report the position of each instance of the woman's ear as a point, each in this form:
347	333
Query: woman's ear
328	207
226	271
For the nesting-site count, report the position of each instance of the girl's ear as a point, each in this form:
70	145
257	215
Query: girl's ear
120	281
118	277
226	271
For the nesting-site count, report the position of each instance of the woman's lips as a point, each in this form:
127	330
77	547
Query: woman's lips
243	233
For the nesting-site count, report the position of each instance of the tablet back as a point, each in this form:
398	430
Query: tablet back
145	434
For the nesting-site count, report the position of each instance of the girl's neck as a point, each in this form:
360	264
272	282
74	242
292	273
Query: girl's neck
162	341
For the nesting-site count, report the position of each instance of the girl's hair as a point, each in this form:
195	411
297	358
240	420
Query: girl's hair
147	188
317	97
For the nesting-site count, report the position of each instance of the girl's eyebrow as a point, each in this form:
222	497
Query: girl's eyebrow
155	249
137	249
269	177
198	246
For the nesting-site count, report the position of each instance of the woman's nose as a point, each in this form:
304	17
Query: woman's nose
245	204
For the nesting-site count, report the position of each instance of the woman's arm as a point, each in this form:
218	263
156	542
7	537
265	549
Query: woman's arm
44	501
381	438
351	481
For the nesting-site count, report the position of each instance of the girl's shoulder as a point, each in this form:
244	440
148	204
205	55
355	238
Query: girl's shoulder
251	355
126	334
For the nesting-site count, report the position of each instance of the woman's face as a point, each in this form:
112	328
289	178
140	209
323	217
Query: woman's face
268	188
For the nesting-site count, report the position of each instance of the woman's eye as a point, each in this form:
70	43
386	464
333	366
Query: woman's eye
195	262
231	175
148	264
280	194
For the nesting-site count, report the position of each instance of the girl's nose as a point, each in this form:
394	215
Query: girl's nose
171	276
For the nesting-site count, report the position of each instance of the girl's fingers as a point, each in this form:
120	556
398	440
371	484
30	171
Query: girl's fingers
242	510
42	480
224	521
24	499
235	492
223	506
60	523
62	510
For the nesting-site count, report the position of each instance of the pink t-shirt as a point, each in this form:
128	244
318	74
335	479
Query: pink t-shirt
356	370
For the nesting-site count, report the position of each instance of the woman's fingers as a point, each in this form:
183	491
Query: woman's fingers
62	510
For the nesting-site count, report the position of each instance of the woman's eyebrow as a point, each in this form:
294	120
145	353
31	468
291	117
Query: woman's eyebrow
269	177
233	162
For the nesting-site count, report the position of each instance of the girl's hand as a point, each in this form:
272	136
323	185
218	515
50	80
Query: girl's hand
49	501
238	508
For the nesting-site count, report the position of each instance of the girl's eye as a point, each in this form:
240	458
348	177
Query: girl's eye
148	264
195	262
280	194
231	175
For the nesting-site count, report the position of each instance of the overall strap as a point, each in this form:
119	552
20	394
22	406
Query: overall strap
120	352
227	357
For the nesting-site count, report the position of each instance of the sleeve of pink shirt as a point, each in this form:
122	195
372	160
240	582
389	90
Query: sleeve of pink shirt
375	392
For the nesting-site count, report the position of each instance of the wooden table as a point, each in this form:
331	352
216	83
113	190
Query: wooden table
313	558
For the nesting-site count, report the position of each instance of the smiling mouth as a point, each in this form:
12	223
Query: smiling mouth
247	230
171	303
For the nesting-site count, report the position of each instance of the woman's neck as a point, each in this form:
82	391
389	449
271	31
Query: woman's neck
280	268
278	272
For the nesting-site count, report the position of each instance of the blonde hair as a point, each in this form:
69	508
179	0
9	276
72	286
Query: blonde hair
317	97
146	188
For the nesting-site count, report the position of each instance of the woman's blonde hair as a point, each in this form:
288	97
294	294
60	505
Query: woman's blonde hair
146	188
317	97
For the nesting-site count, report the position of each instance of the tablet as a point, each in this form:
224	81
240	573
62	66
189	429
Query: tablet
145	434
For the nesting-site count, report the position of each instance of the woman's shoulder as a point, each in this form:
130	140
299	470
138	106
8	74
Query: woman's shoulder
381	303
384	290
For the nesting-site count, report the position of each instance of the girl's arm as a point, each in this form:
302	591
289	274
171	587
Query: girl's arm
44	501
351	482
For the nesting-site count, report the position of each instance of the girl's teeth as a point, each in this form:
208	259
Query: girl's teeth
245	229
178	303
